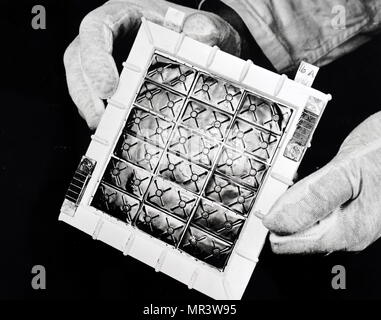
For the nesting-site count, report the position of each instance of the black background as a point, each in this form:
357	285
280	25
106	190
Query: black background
42	139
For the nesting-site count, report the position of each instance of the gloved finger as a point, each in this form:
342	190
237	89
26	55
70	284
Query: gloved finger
100	27
325	237
345	229
89	106
362	137
311	199
97	33
212	30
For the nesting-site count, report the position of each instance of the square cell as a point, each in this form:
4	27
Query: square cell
127	177
256	141
138	152
193	146
186	174
229	194
217	220
160	100
241	168
208	121
115	203
205	247
265	113
160	225
148	127
219	93
170	198
175	75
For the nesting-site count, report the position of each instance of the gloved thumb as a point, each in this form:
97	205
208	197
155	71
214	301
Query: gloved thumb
212	30
312	199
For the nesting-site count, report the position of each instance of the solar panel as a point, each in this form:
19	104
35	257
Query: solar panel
193	148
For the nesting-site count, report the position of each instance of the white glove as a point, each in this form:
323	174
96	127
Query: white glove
339	206
90	68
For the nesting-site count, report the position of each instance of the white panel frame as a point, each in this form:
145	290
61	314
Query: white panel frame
231	283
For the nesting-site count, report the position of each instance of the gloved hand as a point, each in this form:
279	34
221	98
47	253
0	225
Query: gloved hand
339	206
90	68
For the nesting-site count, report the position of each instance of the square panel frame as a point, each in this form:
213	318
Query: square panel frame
230	283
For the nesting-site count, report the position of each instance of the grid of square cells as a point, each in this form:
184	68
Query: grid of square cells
191	159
